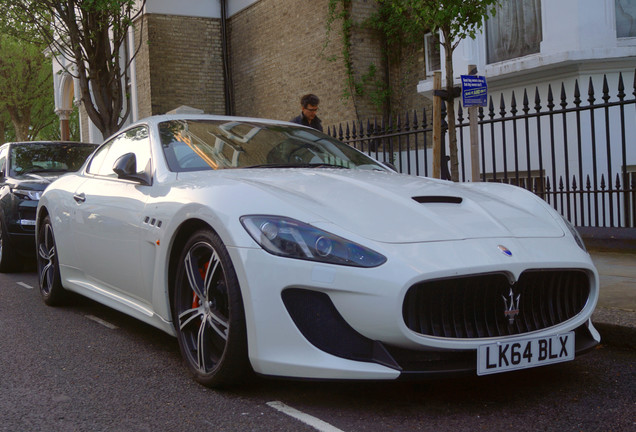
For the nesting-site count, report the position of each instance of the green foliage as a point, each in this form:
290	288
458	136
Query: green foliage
407	21
404	22
369	84
26	88
88	37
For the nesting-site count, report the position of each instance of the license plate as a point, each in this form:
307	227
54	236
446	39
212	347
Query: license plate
525	353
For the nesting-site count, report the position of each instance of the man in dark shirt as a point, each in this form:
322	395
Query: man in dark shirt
309	107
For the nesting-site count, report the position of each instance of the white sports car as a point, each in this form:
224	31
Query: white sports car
270	247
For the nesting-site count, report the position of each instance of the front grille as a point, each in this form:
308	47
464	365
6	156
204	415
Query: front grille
475	306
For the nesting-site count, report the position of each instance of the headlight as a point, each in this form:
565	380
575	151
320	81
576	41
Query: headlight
575	234
294	239
26	194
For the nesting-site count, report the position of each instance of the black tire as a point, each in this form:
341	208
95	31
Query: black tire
51	289
7	257
208	313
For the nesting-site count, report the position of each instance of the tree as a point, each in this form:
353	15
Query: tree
26	88
91	35
408	20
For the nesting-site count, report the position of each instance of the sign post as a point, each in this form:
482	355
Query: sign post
474	95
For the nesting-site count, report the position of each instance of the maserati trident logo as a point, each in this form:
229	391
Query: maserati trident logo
512	306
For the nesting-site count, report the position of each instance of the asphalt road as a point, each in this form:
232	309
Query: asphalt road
85	367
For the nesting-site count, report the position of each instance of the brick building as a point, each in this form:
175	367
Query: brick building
249	58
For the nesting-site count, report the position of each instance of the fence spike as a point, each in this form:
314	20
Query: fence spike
561	183
574	183
589	183
340	135
577	93
502	106
460	114
602	181
618	182
621	87
424	119
590	92
444	122
491	109
407	125
537	100
550	98
606	96
526	103
513	104
564	102
347	132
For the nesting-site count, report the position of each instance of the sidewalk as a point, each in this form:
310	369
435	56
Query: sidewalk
615	314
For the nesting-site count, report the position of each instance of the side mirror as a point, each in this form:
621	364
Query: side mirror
126	168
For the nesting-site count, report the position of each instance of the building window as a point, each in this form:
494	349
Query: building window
514	31
625	18
432	53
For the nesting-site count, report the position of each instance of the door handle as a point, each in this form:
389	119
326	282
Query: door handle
79	198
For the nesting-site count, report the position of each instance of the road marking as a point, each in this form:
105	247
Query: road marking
27	286
312	421
102	322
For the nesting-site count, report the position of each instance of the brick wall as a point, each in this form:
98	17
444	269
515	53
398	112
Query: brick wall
180	64
277	56
406	69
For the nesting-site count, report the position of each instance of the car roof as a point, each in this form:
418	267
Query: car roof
168	117
14	143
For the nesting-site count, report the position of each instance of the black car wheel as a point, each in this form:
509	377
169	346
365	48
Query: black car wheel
208	313
7	259
48	266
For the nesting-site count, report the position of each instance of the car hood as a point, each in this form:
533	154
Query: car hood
395	208
36	181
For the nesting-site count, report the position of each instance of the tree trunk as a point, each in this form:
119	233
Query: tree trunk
450	107
20	122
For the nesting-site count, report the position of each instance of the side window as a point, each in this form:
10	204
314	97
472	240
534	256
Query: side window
98	158
3	161
131	141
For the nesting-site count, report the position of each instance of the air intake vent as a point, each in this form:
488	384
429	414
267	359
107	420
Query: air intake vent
475	306
438	199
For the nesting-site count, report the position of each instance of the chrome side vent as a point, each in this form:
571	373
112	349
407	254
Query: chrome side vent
438	199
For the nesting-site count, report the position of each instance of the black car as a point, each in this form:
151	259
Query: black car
26	169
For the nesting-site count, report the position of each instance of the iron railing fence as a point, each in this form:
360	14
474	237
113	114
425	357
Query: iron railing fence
578	155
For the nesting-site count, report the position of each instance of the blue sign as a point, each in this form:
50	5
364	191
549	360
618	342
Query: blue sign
474	91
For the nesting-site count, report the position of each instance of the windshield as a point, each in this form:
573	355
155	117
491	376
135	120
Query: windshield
197	145
28	158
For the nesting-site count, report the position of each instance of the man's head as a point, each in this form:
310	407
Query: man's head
309	105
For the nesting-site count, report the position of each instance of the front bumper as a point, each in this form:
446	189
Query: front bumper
351	324
21	228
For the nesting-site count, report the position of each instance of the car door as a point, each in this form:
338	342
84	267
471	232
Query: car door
108	217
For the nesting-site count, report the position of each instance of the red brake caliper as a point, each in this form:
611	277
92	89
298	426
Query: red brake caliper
195	297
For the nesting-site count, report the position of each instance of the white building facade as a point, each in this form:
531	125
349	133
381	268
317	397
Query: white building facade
534	48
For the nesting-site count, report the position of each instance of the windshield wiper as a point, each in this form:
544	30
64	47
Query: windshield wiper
297	165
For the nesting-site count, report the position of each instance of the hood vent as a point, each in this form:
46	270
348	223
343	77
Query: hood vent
438	199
